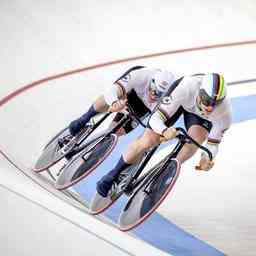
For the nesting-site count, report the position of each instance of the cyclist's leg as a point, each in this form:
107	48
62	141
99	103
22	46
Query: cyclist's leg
121	131
132	155
141	111
198	128
99	106
136	148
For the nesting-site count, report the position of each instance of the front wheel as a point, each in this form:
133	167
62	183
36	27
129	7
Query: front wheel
150	194
54	151
87	161
51	153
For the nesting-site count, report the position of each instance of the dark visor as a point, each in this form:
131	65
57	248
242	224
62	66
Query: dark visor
207	100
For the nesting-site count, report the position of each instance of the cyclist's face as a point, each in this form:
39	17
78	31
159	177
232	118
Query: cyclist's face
154	94
206	110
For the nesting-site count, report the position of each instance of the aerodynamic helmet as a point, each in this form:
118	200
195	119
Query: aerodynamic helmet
213	89
160	82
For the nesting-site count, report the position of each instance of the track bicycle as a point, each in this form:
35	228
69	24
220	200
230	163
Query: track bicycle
84	152
145	191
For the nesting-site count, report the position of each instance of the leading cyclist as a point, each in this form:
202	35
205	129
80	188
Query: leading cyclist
203	101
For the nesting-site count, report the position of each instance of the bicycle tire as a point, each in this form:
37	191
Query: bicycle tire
143	203
80	167
51	153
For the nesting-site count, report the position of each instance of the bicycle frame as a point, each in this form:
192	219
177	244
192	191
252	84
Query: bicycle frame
131	114
183	138
77	149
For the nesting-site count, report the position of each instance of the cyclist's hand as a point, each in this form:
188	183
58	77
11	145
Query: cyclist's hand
117	106
169	134
205	164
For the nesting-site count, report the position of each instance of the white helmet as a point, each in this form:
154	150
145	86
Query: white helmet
213	89
160	82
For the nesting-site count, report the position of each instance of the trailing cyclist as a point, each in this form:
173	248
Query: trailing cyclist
139	86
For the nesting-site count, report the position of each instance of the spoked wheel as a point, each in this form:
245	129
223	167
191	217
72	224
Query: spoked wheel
55	150
87	161
149	195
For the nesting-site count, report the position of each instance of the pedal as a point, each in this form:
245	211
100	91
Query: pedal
125	185
128	190
64	140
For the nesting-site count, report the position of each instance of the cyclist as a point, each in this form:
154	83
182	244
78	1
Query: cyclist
140	86
203	101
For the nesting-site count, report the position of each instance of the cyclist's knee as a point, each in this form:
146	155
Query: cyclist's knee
100	104
198	133
149	139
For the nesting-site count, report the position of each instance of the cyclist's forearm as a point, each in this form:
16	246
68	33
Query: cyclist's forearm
114	94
